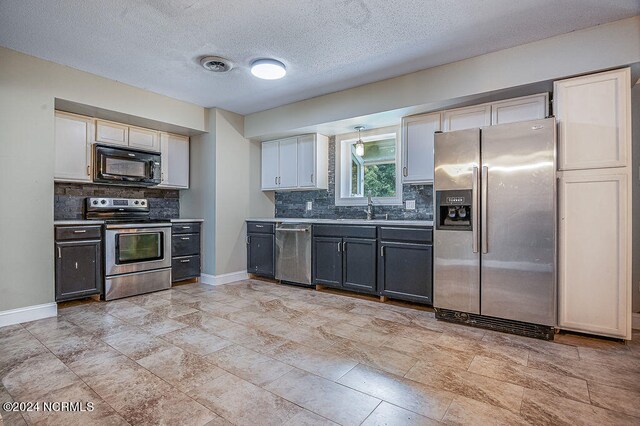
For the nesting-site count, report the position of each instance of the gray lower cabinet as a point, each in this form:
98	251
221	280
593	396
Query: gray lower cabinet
78	254
359	264
261	254
185	251
345	257
261	249
405	264
327	261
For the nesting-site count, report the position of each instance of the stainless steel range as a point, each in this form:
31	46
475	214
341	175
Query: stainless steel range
137	249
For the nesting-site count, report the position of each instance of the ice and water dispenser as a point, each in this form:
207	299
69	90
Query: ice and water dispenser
453	210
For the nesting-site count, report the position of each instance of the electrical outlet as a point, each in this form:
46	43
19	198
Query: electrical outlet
309	205
410	204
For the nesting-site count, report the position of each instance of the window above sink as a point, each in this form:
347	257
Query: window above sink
376	172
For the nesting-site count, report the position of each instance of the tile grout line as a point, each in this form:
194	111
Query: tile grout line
372	411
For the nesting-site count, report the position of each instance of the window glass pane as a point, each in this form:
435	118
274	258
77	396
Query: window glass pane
374	173
380	180
137	247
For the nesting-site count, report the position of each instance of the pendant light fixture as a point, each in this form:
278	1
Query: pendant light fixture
359	144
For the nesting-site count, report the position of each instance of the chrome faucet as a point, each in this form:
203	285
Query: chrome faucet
369	210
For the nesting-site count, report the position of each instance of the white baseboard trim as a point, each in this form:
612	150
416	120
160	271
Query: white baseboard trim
29	313
223	278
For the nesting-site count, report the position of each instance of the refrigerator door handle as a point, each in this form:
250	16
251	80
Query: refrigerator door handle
474	210
483	201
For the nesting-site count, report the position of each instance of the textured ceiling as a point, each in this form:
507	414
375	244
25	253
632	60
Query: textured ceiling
327	45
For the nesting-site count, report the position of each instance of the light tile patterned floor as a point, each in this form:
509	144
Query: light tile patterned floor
258	353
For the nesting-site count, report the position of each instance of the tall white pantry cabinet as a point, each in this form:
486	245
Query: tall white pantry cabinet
594	200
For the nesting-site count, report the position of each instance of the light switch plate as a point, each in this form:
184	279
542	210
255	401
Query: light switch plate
410	204
309	205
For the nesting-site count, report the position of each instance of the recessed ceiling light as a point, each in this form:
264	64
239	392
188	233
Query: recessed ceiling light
268	69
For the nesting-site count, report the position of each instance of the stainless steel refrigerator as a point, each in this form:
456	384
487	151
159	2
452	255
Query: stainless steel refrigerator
495	222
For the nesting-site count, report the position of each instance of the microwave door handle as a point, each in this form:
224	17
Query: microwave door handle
152	170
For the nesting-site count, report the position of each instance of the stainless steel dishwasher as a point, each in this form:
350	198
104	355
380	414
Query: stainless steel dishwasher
293	253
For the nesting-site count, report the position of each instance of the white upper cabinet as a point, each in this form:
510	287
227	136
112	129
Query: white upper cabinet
175	160
288	173
306	161
526	108
594	253
75	135
467	118
295	163
112	133
144	139
417	147
270	164
72	144
593	114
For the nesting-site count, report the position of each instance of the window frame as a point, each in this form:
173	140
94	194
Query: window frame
342	150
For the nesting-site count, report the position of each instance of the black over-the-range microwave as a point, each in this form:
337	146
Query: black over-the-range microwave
125	166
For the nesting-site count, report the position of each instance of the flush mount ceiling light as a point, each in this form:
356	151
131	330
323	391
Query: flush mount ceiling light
359	144
216	64
268	69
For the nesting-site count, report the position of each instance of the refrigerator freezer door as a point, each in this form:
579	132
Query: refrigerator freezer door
456	263
519	230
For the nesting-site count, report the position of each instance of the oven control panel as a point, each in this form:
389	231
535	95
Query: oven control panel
117	203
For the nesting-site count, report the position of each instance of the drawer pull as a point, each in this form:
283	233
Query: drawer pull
259	226
185	261
185	238
186	227
80	231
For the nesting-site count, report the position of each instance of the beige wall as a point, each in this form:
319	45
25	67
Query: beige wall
28	87
199	201
604	46
238	194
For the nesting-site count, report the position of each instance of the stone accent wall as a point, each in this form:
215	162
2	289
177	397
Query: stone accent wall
292	204
69	199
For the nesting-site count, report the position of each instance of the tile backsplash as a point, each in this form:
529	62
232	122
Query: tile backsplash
293	204
69	199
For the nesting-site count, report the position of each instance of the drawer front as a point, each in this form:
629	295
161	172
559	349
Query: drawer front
261	228
78	233
186	228
185	267
185	244
418	235
347	231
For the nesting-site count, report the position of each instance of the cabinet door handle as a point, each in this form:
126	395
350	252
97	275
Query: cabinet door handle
248	239
276	180
381	251
88	170
185	261
80	231
185	238
405	171
59	252
344	246
339	246
311	177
